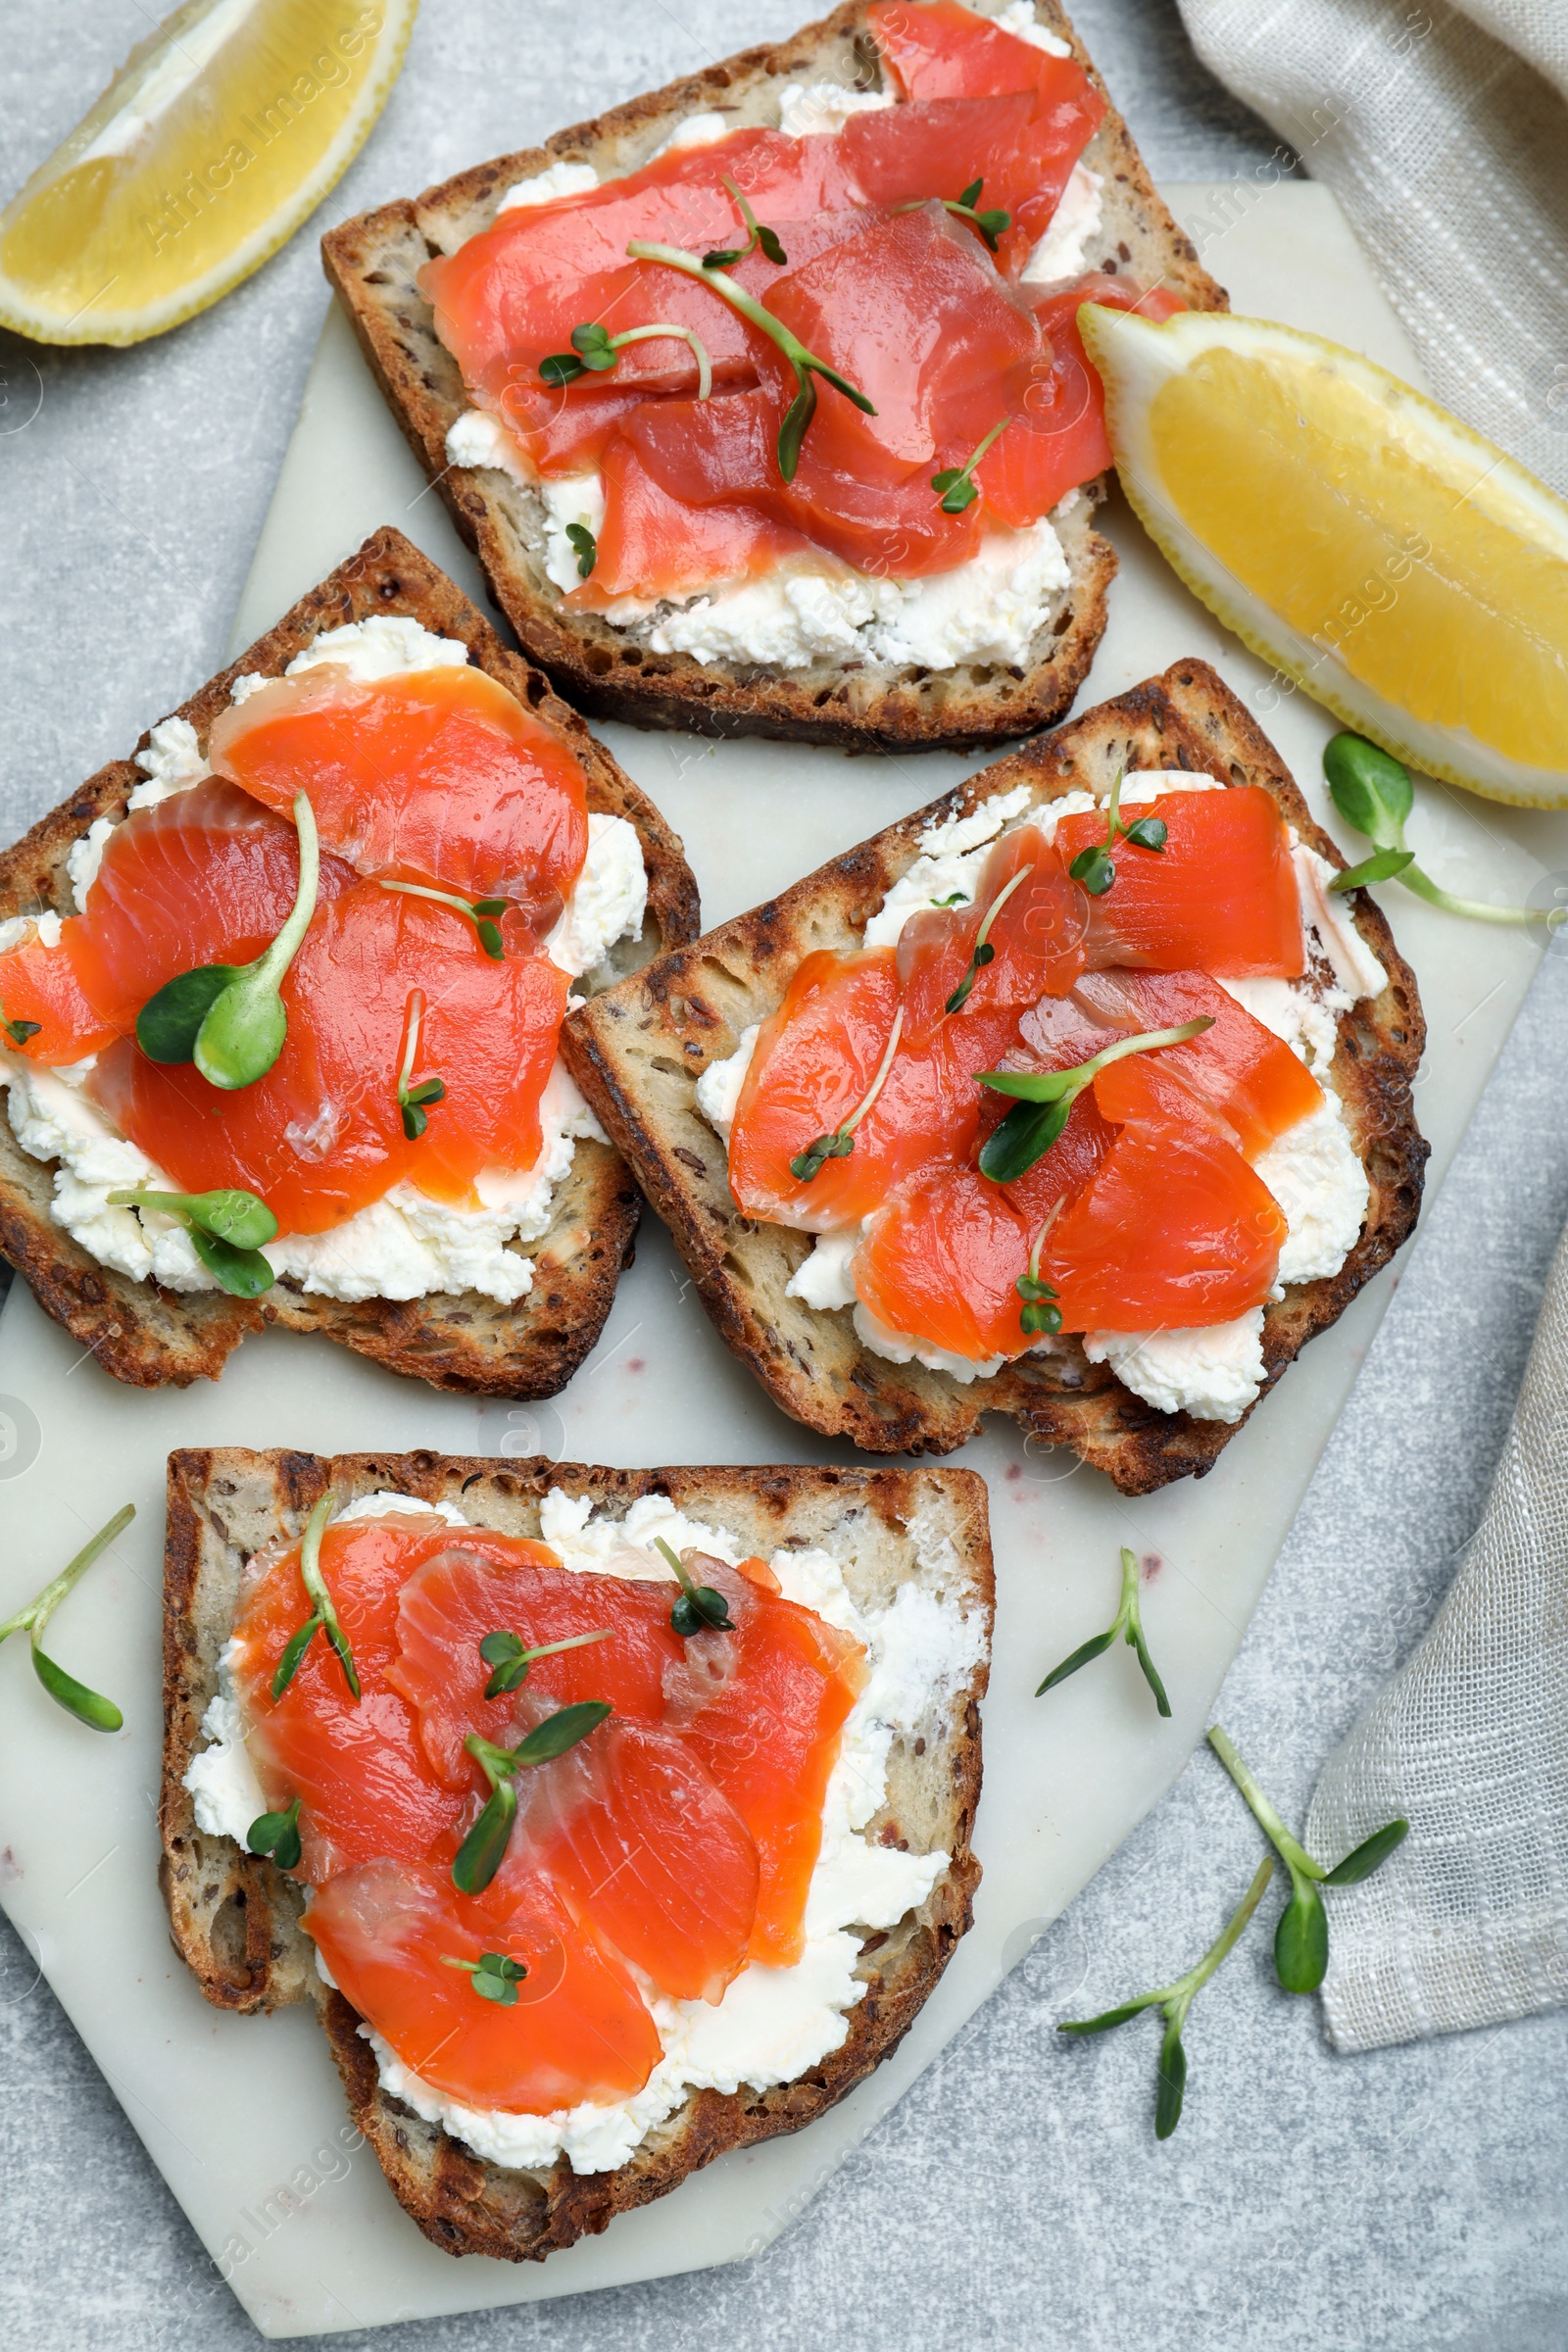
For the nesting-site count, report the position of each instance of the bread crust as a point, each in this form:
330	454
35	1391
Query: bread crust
235	1919
373	261
638	1051
152	1338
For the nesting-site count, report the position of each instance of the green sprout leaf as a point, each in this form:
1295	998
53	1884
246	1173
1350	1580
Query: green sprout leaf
701	1609
90	1707
324	1616
1095	870
1381	866
494	1976
757	238
596	351
1039	1312
983	953
954	482
586	547
1301	1939
413	1101
277	1834
482	913
512	1661
19	1032
226	1229
1127	1622
810	1163
1149	832
991	225
806	363
1174	2001
482	1851
1369	1856
1045	1099
230	1019
1373	792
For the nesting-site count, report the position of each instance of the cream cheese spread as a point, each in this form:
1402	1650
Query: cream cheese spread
404	1245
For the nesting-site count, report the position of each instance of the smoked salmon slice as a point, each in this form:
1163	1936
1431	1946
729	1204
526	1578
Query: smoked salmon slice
631	1827
1238	1074
1036	933
439	775
579	2032
651	545
1221	897
945	51
765	1708
39	985
367	1792
941	1261
206	876
815	1062
481	1585
320	1135
1174	1231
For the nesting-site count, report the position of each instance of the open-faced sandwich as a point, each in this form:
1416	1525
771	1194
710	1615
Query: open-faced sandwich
615	1818
281	998
762	398
1080	1095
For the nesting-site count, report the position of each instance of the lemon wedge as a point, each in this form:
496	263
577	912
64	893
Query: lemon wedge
221	132
1404	571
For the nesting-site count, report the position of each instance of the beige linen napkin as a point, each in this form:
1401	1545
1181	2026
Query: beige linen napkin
1468	1924
1443	134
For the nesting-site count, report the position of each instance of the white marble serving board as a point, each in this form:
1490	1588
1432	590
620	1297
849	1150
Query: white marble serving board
244	2116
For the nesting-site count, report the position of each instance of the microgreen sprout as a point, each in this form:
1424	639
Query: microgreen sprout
494	1976
1129	1624
584	546
88	1707
1373	792
594	351
324	1616
226	1229
1173	2002
1301	1939
19	1032
1045	1099
277	1834
840	1143
482	913
512	1661
955	483
982	953
757	237
227	1018
1038	1312
806	363
991	225
1095	867
483	1850
700	1610
414	1102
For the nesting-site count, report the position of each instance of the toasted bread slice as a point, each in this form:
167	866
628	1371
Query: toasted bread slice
638	1051
150	1337
236	1917
605	670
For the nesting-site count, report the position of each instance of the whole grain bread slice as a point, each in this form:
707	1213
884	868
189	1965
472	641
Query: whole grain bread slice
150	1337
638	1051
373	261
235	1919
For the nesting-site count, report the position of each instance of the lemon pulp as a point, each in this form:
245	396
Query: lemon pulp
1385	546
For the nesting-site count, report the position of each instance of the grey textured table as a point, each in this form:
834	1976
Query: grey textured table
1409	2200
